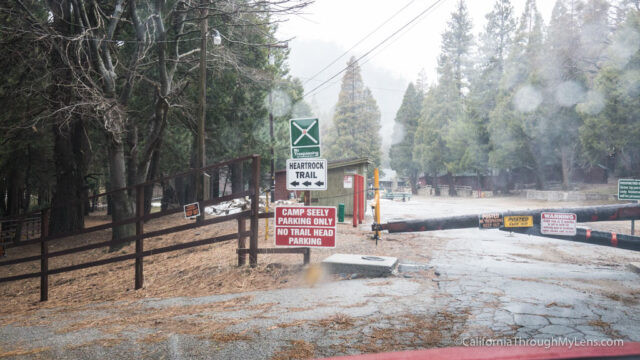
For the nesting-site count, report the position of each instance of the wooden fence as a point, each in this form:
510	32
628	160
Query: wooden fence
253	215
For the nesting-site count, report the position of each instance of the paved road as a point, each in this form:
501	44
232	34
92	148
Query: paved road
482	284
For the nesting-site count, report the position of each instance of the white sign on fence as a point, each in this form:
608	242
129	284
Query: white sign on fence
558	224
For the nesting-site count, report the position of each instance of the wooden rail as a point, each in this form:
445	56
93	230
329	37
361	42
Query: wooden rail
140	253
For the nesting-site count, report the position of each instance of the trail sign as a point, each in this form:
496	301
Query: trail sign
628	189
297	226
306	174
305	138
558	223
518	221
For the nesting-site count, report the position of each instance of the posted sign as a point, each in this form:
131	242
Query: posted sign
305	138
558	223
628	189
309	226
306	174
490	221
518	221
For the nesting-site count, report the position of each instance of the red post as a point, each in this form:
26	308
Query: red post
355	200
361	193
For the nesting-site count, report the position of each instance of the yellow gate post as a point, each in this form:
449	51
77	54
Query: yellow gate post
376	184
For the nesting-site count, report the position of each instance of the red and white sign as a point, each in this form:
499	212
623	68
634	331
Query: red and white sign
347	182
558	223
309	226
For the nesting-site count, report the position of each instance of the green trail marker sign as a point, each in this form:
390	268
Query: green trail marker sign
628	189
305	138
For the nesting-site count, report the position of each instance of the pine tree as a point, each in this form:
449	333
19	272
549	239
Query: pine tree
566	85
429	149
406	123
442	134
456	47
495	43
513	122
611	128
356	121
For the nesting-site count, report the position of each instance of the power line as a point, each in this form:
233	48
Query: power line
391	43
359	42
376	46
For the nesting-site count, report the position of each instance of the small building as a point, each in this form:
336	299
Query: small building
335	193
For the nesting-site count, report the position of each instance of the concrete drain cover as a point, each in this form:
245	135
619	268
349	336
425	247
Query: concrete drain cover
360	264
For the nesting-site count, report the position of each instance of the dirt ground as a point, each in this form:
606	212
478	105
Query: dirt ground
204	270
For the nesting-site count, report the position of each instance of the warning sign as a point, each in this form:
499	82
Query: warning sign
192	211
558	223
490	221
309	226
518	221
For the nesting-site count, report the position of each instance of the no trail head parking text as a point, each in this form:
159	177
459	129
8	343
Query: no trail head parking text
305	226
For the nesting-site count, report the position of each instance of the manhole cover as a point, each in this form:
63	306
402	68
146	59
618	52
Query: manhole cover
372	258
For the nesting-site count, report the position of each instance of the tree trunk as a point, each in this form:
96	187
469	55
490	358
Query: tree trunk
413	182
215	183
436	190
452	184
122	208
566	167
71	155
148	190
237	184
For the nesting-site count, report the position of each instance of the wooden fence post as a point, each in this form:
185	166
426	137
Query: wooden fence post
307	256
242	227
139	240
44	255
255	209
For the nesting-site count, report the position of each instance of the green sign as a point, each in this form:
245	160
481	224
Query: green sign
628	189
305	138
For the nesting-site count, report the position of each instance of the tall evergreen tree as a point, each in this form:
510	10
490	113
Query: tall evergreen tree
495	43
611	128
356	121
442	134
513	122
456	48
566	85
406	123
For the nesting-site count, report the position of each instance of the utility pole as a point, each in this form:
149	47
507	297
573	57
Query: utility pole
272	189
272	137
201	161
